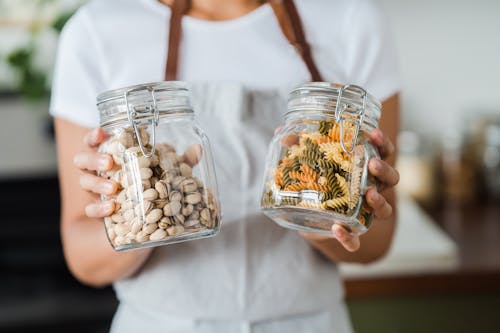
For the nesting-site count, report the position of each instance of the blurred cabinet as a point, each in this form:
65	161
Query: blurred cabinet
463	299
37	293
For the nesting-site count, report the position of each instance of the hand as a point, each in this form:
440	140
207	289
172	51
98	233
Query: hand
89	162
386	174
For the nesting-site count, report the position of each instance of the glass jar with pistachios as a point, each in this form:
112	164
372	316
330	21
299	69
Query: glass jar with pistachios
317	166
163	165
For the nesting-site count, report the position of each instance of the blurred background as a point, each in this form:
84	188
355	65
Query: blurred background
443	271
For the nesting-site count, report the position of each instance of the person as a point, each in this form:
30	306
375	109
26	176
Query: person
254	276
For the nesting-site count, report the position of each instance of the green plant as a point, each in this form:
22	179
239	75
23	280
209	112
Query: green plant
61	20
33	83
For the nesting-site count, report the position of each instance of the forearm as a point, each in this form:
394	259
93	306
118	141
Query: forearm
374	244
90	257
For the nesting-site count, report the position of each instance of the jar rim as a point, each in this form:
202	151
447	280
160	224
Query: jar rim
322	96
144	101
119	93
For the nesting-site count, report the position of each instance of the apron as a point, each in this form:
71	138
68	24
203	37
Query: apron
254	276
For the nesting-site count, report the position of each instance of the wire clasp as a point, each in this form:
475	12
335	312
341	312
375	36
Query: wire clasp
137	114
340	108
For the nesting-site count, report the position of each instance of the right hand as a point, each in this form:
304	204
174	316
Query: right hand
90	162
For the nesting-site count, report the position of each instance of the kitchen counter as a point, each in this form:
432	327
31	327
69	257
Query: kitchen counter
37	292
466	260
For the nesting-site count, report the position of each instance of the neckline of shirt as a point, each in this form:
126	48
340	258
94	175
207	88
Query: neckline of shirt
249	18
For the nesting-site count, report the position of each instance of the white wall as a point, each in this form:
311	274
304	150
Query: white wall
450	60
25	148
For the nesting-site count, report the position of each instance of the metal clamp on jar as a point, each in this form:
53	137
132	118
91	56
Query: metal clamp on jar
163	165
317	165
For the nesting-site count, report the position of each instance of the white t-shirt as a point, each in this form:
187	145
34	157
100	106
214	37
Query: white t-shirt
115	43
252	270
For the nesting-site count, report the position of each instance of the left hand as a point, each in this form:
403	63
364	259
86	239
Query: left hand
387	176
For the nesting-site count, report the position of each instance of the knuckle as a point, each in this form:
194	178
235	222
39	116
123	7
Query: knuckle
389	146
96	184
102	186
379	202
93	162
351	244
87	140
79	159
91	137
388	210
90	210
391	149
98	209
85	181
385	211
384	168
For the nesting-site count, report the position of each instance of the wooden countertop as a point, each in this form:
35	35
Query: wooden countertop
476	230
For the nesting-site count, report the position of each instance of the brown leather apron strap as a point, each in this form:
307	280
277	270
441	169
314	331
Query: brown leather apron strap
291	25
288	18
179	8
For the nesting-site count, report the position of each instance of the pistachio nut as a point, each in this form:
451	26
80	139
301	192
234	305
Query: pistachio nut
158	234
172	208
154	216
150	194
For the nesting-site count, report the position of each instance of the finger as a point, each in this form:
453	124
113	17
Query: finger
384	172
381	208
193	154
95	137
314	236
97	184
348	241
100	209
93	161
383	143
290	140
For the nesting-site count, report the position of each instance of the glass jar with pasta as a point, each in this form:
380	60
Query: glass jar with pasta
317	165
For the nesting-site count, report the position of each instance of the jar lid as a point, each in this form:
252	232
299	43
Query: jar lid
170	97
324	96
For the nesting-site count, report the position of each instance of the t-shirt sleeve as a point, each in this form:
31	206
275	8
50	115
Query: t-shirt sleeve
78	73
370	53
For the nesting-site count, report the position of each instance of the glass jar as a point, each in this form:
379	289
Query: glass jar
317	165
163	165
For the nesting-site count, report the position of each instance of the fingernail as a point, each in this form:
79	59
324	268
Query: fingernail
336	229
